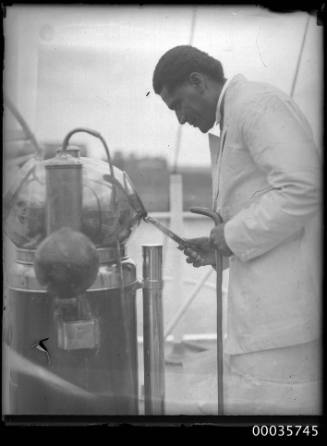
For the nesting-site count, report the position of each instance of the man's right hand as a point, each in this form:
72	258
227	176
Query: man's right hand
199	252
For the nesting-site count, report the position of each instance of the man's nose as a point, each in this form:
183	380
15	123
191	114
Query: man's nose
180	117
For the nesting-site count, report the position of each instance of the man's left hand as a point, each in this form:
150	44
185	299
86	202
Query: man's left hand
217	240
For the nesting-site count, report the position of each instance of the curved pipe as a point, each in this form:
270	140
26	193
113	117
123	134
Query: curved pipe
96	135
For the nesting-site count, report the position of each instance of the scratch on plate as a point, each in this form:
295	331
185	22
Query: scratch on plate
257	45
42	348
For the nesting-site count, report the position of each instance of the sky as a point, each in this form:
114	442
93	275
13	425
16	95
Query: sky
76	66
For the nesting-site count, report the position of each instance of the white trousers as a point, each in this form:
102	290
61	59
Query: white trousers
284	381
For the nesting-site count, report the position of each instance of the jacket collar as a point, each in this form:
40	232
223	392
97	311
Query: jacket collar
231	89
227	88
220	100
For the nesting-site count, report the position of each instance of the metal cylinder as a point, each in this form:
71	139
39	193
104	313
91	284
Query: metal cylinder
107	369
153	339
64	192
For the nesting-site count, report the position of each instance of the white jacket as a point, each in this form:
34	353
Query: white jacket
266	187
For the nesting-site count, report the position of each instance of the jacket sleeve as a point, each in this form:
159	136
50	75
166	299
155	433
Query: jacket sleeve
281	145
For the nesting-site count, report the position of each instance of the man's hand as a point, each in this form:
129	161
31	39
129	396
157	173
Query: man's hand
217	240
199	252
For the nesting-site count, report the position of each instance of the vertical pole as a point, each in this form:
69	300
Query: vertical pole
177	259
176	222
220	333
6	409
153	345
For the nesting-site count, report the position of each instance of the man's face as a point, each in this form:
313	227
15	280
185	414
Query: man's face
192	104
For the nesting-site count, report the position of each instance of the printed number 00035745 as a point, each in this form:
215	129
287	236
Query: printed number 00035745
281	430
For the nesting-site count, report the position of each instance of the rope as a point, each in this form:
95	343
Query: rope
300	57
179	130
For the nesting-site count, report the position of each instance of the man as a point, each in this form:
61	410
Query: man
266	183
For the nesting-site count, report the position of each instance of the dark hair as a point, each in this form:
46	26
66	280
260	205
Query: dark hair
178	63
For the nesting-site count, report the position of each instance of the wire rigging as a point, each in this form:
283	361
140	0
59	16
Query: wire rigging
300	56
179	129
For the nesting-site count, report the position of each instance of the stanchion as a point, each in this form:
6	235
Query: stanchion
153	339
177	261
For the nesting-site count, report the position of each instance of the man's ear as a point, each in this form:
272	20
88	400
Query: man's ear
197	80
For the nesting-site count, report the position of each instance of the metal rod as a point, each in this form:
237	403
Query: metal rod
219	280
153	345
220	351
168	232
